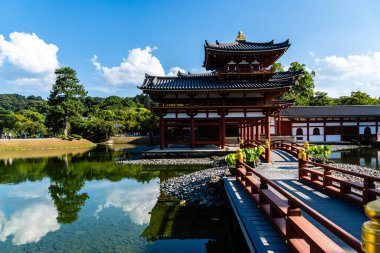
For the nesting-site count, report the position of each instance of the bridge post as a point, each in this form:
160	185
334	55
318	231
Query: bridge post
267	151
306	146
371	229
301	161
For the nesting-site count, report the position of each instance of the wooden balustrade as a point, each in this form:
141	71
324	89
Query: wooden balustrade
288	146
322	177
285	213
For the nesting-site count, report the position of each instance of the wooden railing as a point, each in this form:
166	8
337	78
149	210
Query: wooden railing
288	146
285	213
254	144
322	177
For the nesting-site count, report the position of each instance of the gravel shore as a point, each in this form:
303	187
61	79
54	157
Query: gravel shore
201	188
343	147
195	161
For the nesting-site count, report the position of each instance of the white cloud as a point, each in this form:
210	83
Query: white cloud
32	60
174	71
132	69
28	52
341	75
136	202
29	224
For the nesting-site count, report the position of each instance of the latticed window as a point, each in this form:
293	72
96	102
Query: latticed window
316	131
367	131
299	131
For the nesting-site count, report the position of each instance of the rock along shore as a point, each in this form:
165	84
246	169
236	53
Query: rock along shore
201	188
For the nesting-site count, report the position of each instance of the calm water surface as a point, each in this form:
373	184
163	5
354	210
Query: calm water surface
368	157
82	201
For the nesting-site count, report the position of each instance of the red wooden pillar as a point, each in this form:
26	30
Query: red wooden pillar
162	133
377	129
257	132
324	130
279	125
267	136
307	130
222	132
192	130
252	131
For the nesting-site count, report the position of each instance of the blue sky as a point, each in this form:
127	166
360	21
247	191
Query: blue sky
338	39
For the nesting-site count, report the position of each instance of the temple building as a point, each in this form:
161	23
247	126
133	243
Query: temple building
331	124
238	97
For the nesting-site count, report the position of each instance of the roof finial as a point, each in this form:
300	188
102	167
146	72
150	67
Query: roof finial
240	37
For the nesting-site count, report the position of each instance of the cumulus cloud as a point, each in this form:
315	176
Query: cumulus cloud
132	69
31	58
136	202
174	71
341	75
29	224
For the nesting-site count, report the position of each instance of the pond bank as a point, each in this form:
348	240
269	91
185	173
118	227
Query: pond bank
201	188
44	143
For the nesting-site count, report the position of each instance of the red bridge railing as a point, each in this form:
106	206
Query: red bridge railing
334	181
286	215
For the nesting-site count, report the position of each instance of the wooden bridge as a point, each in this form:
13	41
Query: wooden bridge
297	205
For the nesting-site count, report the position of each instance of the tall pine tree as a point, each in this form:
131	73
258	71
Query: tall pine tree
65	99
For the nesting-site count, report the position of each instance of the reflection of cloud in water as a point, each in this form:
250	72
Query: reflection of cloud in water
29	224
137	201
34	215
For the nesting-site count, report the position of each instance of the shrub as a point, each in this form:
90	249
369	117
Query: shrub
62	137
319	152
231	160
76	136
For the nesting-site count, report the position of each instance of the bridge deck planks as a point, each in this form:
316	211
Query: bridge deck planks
259	233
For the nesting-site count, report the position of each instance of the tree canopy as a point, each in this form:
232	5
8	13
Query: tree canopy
66	98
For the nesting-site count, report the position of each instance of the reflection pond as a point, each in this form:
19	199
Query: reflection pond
367	157
82	201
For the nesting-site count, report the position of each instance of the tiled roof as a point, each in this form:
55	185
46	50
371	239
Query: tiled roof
286	75
331	111
207	83
247	46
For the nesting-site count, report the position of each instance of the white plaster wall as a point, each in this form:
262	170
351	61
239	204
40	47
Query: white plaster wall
315	124
213	115
367	123
255	114
300	138
311	129
332	138
349	123
333	124
294	131
183	116
170	116
201	115
316	138
298	124
272	130
235	115
373	129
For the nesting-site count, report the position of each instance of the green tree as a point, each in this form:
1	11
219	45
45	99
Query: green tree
358	98
321	98
66	97
303	89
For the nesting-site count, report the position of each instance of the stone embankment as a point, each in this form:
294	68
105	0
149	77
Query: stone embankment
189	161
201	188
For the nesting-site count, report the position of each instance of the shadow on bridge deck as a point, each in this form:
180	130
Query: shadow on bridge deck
343	214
